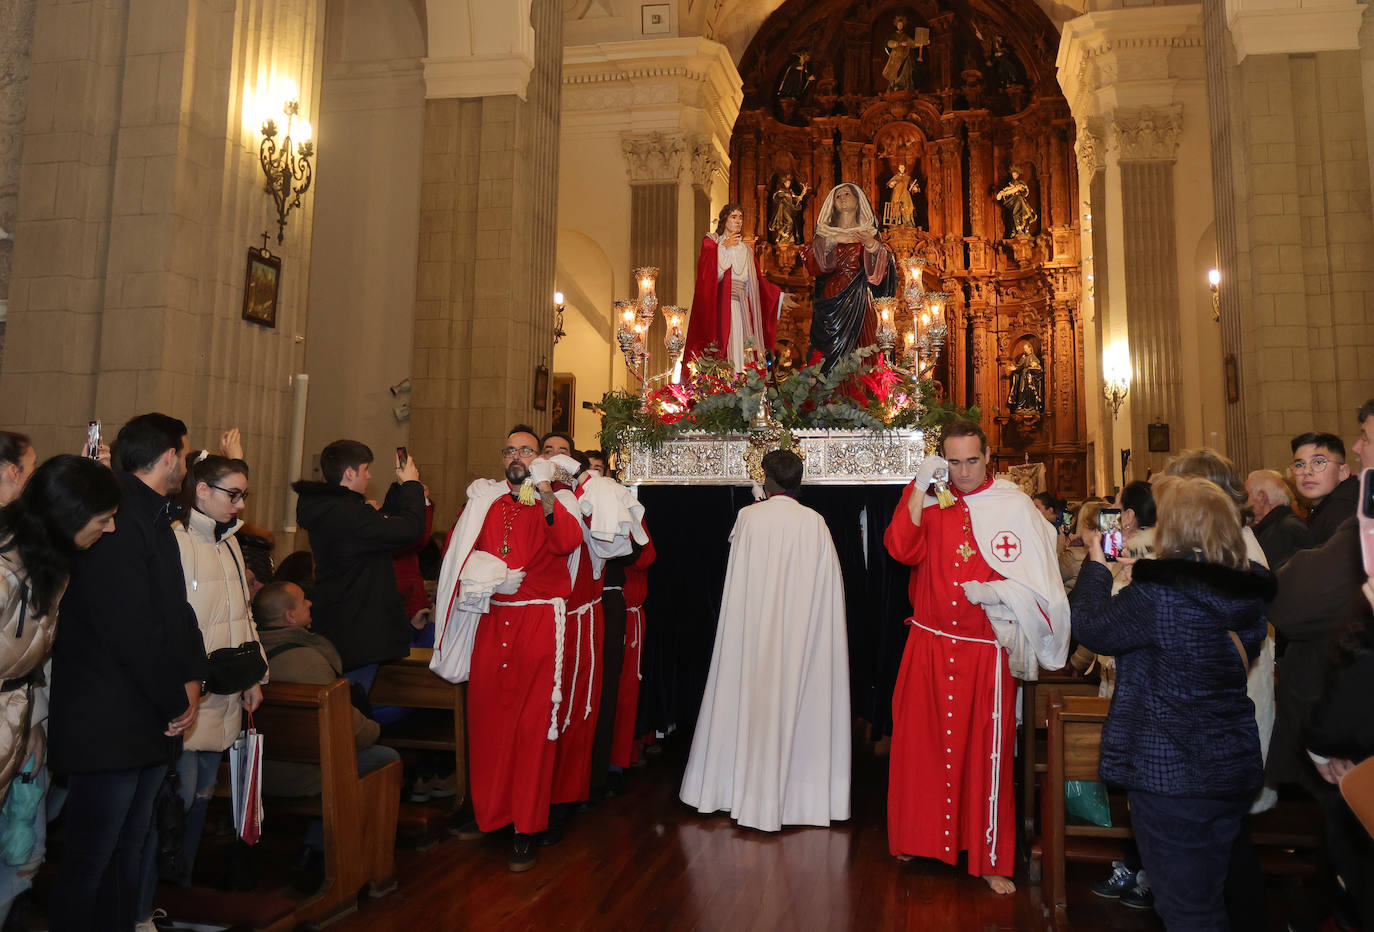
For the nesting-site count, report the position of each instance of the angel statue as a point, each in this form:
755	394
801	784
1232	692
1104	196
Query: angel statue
1015	197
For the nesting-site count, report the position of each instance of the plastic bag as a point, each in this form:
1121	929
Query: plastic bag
20	810
1086	801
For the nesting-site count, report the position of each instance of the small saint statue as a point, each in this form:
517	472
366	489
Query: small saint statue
901	210
797	77
1015	197
1003	64
905	55
786	225
1027	390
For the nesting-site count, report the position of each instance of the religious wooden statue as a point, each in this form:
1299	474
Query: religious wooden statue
1027	390
850	264
1015	197
903	69
900	210
797	77
786	225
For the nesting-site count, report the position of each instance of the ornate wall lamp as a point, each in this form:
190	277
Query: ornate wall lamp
287	168
558	331
1214	283
1116	383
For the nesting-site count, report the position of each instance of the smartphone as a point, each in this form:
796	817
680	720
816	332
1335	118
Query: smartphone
1109	523
1366	515
1066	520
93	440
401	457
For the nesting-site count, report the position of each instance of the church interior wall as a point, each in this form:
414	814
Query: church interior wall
588	351
360	338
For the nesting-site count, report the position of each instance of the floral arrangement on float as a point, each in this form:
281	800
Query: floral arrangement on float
714	400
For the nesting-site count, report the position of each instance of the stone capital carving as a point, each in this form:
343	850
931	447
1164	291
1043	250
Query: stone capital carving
706	165
1089	151
654	158
1148	135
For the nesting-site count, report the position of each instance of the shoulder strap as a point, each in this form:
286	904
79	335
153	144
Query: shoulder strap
281	649
1244	658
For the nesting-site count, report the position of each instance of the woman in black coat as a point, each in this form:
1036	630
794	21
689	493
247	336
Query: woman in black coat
1181	734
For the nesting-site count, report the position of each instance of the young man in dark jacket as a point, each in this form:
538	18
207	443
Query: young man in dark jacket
357	604
1320	472
128	673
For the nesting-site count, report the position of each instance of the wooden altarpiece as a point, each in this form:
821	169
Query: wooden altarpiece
983	100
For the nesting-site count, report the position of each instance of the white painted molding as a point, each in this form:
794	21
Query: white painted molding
478	76
1293	26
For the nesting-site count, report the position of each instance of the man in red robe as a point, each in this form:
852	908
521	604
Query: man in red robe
514	682
627	698
954	722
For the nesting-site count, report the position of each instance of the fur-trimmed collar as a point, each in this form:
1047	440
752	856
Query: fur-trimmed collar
1254	583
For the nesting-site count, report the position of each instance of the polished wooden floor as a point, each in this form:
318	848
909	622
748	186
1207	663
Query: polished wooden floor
645	861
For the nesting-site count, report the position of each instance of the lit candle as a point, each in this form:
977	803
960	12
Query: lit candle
910	339
674	322
628	318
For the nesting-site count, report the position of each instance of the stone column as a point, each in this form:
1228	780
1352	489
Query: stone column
1132	78
488	201
1289	99
16	34
140	195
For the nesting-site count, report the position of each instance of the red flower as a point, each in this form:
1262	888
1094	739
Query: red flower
881	380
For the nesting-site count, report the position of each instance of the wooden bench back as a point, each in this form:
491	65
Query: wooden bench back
410	682
308	724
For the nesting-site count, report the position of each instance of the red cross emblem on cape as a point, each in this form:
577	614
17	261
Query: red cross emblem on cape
1006	546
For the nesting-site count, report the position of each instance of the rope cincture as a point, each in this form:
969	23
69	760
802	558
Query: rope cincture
577	661
994	789
560	626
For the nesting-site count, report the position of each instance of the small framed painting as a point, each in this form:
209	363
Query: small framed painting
656	19
564	401
541	387
261	285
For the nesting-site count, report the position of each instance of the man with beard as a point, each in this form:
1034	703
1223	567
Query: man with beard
502	607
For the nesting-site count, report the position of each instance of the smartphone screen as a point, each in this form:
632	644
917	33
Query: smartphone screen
1109	523
93	439
1366	517
401	457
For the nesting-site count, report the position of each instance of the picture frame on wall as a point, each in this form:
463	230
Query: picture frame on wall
541	387
1158	436
564	401
261	287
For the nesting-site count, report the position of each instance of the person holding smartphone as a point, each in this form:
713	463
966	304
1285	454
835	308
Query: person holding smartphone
357	604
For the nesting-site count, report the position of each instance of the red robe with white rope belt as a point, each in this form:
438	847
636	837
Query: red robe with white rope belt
511	686
950	778
582	676
627	699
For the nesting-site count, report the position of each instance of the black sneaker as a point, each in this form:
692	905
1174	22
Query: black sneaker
308	875
550	836
1121	880
1138	897
522	853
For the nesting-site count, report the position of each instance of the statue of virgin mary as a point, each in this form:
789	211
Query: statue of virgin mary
851	266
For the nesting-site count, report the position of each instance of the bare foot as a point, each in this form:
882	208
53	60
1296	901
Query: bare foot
1000	885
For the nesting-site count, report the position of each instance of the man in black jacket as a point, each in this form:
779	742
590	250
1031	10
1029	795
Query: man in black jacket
1280	532
128	673
357	604
1320	472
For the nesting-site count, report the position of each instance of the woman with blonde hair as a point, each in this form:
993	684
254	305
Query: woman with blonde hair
1181	735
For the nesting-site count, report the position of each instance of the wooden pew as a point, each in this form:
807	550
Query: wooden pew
1034	722
410	683
309	724
1073	753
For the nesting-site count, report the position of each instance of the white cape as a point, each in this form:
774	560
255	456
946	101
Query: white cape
772	740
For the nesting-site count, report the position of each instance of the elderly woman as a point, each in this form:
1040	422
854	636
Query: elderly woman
1181	735
849	263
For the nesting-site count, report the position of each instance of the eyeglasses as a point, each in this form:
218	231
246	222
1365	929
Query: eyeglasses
235	495
523	452
1318	464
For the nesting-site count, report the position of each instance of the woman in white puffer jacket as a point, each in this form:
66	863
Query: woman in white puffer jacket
217	588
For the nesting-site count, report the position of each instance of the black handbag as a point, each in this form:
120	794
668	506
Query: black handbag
169	815
234	669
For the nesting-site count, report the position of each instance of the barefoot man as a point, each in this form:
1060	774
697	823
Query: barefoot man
987	604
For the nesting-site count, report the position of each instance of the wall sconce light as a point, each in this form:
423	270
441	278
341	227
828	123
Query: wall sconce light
558	331
287	169
1214	283
1116	383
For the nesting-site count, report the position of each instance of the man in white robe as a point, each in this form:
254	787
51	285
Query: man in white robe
772	741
